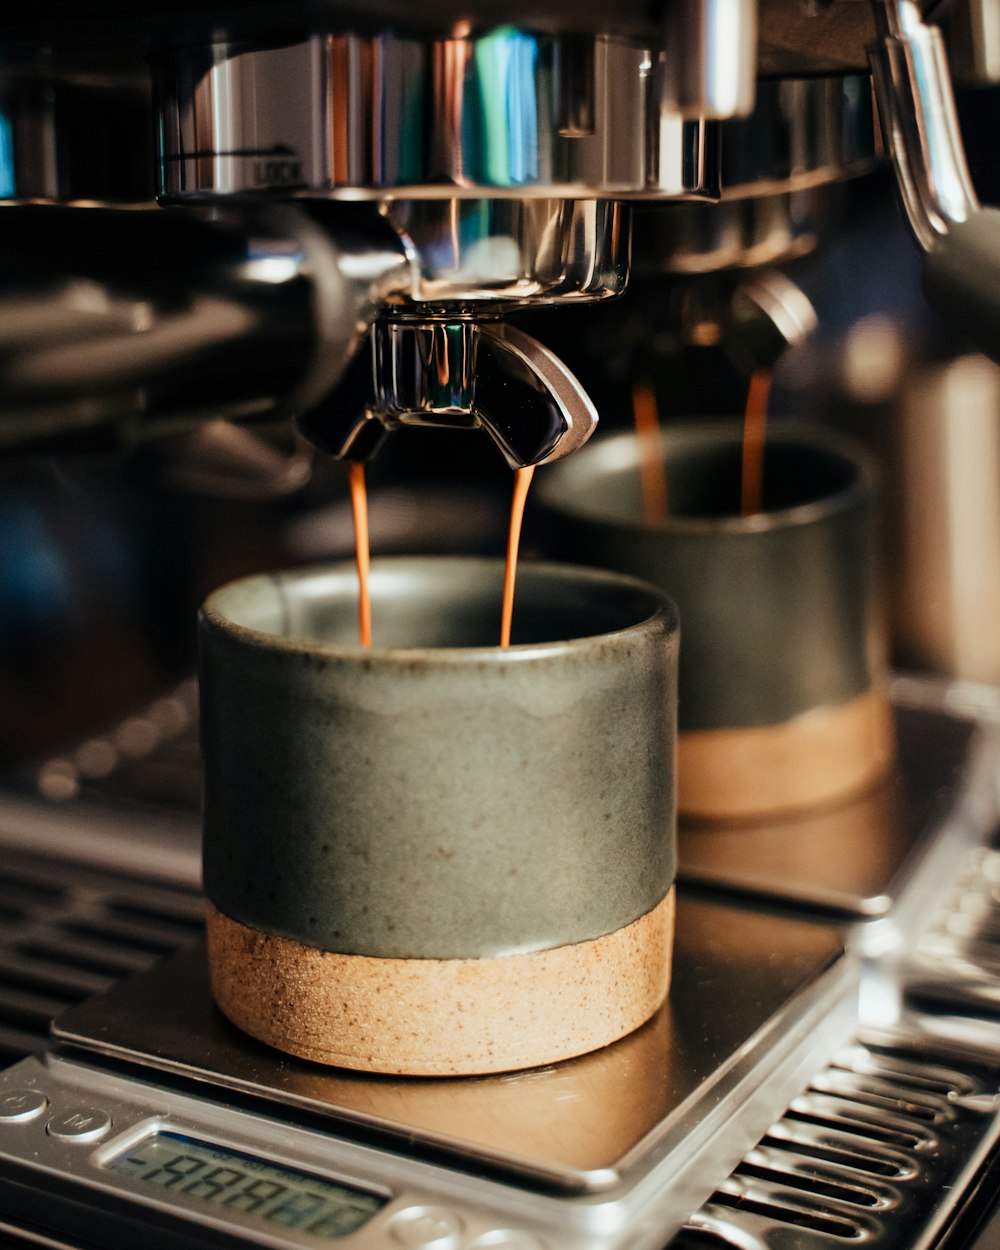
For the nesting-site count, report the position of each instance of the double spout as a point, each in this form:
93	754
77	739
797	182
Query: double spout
462	374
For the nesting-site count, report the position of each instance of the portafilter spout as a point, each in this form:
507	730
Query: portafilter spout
461	374
443	355
752	317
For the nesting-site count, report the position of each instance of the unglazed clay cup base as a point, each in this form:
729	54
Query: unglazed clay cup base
819	758
441	1017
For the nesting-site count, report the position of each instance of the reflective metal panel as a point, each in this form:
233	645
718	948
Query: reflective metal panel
745	986
509	112
856	857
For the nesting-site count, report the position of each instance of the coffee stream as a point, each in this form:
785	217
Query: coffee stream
359	510
653	485
652	476
754	432
522	480
652	473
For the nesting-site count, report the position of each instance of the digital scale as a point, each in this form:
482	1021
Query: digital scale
154	1114
154	1123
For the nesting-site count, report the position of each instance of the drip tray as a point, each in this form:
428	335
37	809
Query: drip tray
754	998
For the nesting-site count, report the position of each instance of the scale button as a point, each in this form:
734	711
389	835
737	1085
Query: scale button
426	1228
19	1105
82	1124
506	1239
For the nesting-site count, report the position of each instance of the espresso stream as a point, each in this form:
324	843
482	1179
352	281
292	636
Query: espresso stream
522	480
362	554
652	473
362	550
754	433
652	476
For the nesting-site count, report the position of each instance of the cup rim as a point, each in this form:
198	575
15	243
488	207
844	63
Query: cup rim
663	613
619	448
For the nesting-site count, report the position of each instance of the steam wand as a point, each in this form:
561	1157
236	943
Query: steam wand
921	132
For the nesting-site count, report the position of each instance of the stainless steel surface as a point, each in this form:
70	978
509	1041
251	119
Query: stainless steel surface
74	132
973	38
512	251
918	120
793	39
488	115
880	1138
139	322
464	374
953	970
768	314
735	234
498	157
860	857
877	1150
355	115
803	133
70	929
748	991
710	50
753	318
956	964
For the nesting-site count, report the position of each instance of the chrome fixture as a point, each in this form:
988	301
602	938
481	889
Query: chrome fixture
715	74
502	158
463	375
920	127
117	325
501	155
500	114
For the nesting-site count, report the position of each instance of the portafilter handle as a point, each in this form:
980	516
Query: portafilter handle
123	325
462	374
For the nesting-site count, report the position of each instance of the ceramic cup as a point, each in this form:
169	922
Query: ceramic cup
436	856
782	702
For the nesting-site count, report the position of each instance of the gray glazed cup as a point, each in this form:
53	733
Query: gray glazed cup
438	807
781	702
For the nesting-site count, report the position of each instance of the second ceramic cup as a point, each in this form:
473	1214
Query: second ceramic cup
782	702
437	856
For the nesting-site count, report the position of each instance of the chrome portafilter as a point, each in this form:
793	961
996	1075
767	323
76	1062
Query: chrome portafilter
442	354
461	374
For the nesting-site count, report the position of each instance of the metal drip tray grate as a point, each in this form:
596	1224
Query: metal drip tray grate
871	1153
68	931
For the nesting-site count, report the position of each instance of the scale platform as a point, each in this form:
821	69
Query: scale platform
752	995
855	860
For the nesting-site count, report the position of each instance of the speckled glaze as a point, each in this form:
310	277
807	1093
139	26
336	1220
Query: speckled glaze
779	610
436	797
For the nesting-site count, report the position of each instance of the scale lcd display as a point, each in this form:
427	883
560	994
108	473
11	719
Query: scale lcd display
233	1181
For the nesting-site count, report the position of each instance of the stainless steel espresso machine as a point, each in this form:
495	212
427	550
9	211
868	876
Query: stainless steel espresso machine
353	199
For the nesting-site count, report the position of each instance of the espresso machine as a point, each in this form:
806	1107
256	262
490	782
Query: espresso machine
353	206
359	176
